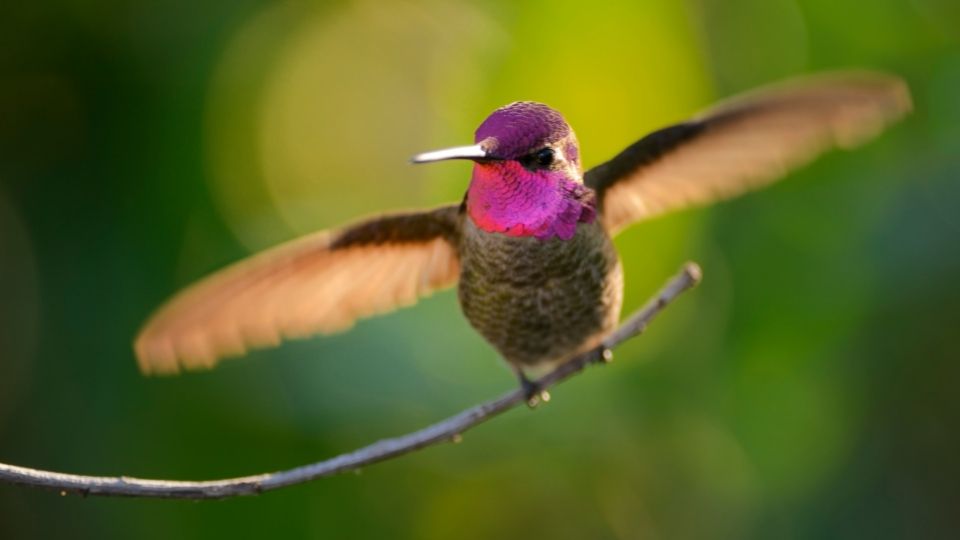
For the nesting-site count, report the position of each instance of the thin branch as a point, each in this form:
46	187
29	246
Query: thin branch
445	431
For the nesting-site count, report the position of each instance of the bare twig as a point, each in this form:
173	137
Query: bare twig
446	430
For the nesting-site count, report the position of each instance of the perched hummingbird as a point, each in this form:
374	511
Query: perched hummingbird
530	244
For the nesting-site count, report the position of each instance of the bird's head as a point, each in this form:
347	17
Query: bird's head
524	134
527	174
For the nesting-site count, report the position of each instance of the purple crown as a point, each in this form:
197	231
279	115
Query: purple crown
521	127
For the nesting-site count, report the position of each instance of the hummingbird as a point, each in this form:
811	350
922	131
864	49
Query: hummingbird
530	243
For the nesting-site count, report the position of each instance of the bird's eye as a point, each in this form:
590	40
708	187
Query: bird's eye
545	157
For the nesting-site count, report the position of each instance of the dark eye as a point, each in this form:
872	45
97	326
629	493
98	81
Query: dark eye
544	157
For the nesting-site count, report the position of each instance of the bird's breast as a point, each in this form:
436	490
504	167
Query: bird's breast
540	301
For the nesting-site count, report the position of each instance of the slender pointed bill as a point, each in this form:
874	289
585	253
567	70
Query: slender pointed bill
474	151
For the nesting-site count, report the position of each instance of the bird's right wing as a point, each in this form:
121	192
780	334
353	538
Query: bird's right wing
744	143
320	283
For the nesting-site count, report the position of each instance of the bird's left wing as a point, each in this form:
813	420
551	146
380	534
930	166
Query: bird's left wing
744	143
320	283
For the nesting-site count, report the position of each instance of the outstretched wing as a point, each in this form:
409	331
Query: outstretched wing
744	143
320	283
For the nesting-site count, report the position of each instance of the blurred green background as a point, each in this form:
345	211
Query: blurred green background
808	388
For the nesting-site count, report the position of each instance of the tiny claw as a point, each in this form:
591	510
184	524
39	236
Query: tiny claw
535	400
606	355
532	392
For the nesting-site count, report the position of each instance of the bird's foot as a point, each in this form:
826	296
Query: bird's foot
533	393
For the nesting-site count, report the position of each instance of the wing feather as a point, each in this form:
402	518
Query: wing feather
745	143
321	283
